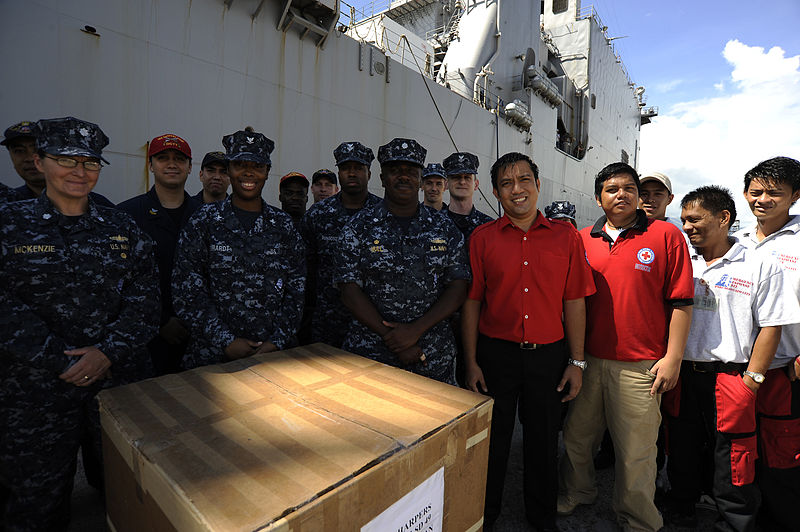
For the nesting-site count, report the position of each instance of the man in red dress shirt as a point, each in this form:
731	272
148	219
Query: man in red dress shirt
528	272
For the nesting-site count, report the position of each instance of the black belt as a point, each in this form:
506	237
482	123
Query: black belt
715	367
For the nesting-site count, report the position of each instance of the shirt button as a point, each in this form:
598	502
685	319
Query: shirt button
525	263
526	289
524	238
526	316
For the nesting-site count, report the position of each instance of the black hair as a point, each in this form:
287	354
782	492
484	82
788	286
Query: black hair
610	171
778	170
712	198
507	160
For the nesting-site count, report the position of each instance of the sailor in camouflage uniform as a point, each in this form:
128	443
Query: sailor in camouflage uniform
239	268
321	228
78	303
462	181
402	269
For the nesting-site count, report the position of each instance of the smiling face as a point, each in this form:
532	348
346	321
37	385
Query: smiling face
704	228
654	198
770	201
247	180
433	189
518	191
170	168
619	197
323	188
67	184
401	182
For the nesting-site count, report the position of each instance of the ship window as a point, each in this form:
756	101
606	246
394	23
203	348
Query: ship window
559	6
594	101
624	157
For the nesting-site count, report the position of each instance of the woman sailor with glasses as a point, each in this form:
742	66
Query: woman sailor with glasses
78	302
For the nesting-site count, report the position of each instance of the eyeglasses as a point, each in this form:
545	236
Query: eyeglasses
67	162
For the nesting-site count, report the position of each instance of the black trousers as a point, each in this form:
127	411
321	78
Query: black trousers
527	378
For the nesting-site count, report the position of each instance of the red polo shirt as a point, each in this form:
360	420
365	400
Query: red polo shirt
639	278
522	278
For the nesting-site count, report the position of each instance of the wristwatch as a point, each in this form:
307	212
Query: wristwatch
758	377
579	363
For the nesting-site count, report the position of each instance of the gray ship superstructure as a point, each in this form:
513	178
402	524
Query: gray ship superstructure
487	77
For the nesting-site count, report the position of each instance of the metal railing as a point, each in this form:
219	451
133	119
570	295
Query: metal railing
589	12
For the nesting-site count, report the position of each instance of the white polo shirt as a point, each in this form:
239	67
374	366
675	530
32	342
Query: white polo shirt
784	247
733	298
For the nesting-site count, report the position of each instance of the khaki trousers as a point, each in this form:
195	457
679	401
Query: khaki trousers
615	395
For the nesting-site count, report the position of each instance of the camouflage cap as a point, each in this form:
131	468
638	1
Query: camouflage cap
70	136
353	151
461	163
560	209
324	173
21	130
213	157
402	150
248	146
434	170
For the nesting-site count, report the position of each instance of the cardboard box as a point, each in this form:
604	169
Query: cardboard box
307	439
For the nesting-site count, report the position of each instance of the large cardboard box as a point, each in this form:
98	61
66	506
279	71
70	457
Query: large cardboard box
307	439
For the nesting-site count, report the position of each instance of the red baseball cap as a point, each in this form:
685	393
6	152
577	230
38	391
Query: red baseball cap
294	175
169	142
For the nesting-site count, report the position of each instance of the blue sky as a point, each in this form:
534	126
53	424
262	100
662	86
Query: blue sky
726	79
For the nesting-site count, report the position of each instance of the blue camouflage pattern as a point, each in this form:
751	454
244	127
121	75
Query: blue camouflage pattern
228	282
321	228
467	223
353	151
403	274
560	209
18	130
434	169
461	163
248	146
401	150
67	282
70	136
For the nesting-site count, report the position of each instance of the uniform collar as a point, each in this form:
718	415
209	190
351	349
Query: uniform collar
641	224
540	220
46	213
736	253
792	226
232	221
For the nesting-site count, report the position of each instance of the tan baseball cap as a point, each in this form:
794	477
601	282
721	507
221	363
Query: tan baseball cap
656	176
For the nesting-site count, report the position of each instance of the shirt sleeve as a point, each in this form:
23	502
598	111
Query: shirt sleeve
288	317
580	281
191	293
476	250
679	285
775	302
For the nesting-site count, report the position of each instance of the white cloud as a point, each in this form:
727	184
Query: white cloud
667	86
716	140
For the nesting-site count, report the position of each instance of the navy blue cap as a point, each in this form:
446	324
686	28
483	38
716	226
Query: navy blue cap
324	173
461	163
560	209
213	157
248	146
353	151
70	136
402	151
434	170
20	130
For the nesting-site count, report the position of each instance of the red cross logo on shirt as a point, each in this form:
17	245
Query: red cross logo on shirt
646	255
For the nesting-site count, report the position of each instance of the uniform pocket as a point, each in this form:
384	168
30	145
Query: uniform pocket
743	461
780	442
736	405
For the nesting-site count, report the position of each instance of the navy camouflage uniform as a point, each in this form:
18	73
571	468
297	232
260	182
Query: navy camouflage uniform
321	227
403	274
464	163
228	282
66	283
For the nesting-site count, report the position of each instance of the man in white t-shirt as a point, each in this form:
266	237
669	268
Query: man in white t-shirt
740	304
771	188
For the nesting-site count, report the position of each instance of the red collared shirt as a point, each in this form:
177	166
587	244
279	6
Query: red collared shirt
522	278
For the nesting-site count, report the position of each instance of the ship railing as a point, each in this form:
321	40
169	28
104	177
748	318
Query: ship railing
353	15
584	12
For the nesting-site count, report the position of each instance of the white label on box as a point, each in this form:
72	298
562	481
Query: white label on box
420	510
